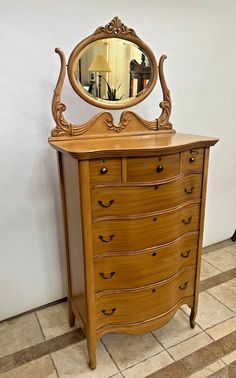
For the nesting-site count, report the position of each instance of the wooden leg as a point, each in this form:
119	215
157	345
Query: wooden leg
91	345
71	315
192	318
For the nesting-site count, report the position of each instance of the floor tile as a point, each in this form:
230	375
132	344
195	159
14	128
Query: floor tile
41	368
189	346
222	329
54	320
127	350
149	366
231	357
71	362
208	270
19	333
208	370
6	363
210	311
177	330
231	248
221	259
226	293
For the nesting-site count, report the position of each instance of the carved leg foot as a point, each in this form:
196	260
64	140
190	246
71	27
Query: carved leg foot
71	316
192	318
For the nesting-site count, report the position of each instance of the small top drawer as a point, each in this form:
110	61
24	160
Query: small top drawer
105	170
192	159
153	168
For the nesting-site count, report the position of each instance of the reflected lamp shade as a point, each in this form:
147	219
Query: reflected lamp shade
99	64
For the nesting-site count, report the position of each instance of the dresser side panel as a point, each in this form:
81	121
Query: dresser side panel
74	228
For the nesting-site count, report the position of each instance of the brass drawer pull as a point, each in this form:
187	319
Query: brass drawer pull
107	276
186	254
108	204
106	240
187	221
109	313
192	159
189	191
183	286
103	171
159	168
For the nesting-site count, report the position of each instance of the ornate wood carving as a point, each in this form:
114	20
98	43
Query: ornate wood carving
115	27
165	105
130	122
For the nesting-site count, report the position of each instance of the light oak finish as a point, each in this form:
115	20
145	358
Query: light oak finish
144	267
153	168
112	200
133	198
115	307
144	231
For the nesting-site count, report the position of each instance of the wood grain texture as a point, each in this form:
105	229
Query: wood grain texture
149	302
144	232
126	200
152	168
112	170
192	159
131	145
144	268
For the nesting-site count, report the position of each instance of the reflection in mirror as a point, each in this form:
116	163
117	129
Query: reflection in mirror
113	69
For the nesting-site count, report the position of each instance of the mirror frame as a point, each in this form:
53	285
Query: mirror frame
114	29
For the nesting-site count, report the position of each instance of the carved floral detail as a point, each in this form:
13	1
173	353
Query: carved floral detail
115	27
121	126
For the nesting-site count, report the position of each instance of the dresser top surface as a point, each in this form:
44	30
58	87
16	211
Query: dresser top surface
131	145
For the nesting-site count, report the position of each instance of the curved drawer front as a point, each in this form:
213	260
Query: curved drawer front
105	170
137	306
192	159
127	200
115	235
153	168
141	269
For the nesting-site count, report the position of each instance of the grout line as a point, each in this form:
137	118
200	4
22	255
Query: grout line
40	325
234	313
54	365
110	355
213	266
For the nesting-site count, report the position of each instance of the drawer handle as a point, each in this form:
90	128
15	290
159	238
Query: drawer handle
108	204
107	276
192	159
103	171
109	312
186	254
159	168
106	240
187	221
183	286
189	191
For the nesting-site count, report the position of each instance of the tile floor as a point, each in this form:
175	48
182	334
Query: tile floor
42	345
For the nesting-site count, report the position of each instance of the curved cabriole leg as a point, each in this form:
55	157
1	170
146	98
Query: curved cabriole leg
71	316
192	318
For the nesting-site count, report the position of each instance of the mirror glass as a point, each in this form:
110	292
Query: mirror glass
113	70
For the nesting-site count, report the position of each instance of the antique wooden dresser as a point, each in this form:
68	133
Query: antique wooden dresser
133	198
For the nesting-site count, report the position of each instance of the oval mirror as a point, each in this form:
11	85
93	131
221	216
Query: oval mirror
113	72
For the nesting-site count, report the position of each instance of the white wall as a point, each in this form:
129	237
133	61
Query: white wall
199	39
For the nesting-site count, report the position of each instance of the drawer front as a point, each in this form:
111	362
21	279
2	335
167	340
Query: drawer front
192	159
133	270
136	306
115	235
137	200
153	168
105	170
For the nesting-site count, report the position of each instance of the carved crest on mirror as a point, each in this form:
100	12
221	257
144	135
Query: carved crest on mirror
111	69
